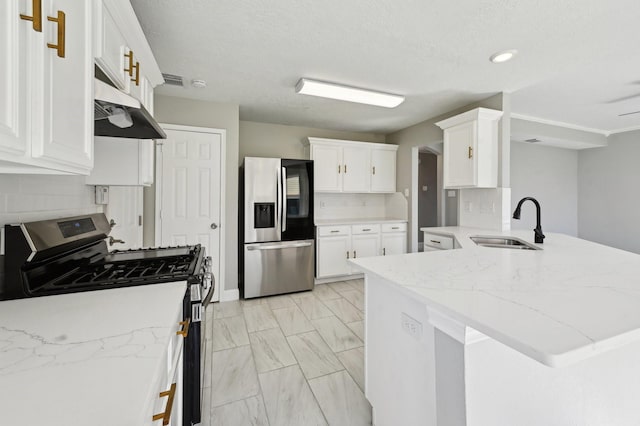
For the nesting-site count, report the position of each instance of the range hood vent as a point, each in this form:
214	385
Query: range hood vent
119	115
173	80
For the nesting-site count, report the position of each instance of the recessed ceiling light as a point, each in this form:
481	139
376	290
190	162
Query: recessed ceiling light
347	93
503	56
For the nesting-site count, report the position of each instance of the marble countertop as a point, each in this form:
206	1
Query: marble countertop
572	300
356	221
85	358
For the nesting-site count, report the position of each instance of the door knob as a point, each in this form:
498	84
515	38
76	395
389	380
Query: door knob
113	241
214	226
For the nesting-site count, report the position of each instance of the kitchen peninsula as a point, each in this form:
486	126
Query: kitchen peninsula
499	336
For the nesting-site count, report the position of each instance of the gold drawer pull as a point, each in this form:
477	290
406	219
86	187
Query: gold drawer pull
166	416
130	69
470	152
185	328
395	227
137	79
61	20
37	15
435	241
335	231
366	229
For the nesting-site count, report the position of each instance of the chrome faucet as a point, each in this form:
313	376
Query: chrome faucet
539	236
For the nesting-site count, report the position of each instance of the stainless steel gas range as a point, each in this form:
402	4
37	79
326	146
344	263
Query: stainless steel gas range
61	256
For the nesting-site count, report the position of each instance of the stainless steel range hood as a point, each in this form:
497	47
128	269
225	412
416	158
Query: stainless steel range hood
117	114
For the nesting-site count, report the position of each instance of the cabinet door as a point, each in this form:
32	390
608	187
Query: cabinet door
110	46
356	165
365	245
383	170
327	168
333	253
146	153
65	89
13	75
460	166
394	243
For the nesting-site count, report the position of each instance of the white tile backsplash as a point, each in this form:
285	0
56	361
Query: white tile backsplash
365	206
25	198
487	208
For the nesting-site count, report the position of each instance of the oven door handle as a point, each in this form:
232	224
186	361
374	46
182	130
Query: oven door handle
278	246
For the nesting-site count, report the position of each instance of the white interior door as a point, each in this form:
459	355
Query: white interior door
125	209
189	188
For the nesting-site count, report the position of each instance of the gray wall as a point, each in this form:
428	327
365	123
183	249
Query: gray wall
608	202
427	200
277	140
550	175
191	112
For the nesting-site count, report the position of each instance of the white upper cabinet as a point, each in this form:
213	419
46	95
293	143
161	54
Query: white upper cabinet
471	149
67	98
383	169
49	127
354	167
122	161
14	70
122	51
327	171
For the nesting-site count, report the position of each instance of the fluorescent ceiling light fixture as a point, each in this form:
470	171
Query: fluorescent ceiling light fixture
347	93
503	56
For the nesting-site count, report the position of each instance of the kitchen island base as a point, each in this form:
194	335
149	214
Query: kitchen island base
424	368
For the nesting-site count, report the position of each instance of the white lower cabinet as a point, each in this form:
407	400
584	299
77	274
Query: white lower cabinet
335	254
165	407
337	244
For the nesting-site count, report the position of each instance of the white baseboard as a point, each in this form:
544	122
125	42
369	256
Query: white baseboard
228	295
338	278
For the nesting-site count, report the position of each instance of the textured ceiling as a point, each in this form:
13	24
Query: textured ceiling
575	56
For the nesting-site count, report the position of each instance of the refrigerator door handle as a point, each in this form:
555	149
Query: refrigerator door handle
279	201
278	246
284	199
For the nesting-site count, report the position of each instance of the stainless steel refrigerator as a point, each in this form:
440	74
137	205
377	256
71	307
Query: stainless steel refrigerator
278	250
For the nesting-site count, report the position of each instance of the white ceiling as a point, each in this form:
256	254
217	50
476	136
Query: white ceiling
575	56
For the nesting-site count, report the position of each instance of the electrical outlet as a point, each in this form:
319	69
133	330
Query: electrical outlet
411	326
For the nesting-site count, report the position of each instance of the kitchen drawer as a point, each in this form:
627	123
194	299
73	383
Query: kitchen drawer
327	231
438	241
365	229
394	227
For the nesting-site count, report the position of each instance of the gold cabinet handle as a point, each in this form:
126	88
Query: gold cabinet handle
384	251
470	152
338	168
130	69
347	255
137	79
36	18
61	20
185	328
345	168
166	416
354	254
374	170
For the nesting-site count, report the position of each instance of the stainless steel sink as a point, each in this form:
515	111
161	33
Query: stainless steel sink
503	242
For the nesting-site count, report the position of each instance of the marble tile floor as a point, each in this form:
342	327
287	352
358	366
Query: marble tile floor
287	360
